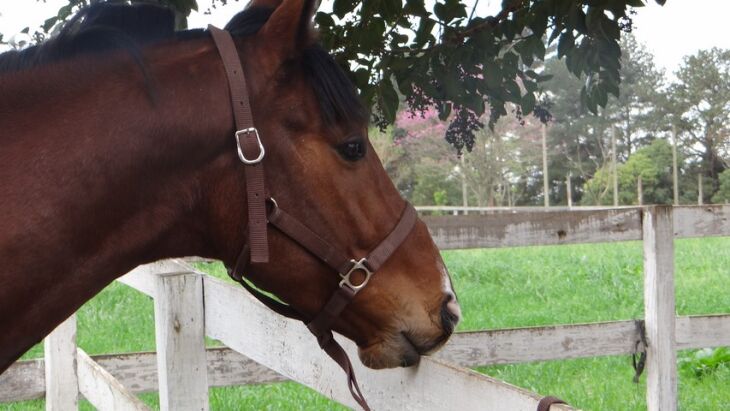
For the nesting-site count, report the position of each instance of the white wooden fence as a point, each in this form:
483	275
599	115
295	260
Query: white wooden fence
189	305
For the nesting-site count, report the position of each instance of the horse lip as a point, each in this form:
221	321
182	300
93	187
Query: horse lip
412	353
429	348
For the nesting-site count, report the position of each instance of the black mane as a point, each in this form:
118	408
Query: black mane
104	27
95	29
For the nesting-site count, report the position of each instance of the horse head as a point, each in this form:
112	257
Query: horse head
320	168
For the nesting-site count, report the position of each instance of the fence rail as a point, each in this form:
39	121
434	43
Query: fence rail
528	228
287	351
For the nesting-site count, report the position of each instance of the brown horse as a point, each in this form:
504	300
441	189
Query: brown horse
117	148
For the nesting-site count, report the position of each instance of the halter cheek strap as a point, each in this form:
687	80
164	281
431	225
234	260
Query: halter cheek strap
251	152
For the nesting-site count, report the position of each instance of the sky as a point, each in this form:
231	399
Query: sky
680	28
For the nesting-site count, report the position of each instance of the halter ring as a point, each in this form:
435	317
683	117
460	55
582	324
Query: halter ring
356	265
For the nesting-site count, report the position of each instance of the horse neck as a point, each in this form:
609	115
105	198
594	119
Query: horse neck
100	175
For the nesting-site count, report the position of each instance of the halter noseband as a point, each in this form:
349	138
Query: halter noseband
251	153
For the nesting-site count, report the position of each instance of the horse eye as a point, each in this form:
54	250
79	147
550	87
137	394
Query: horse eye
352	150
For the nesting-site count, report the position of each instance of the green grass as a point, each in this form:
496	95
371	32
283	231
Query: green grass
497	288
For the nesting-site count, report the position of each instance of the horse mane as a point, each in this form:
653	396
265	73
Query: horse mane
104	27
95	29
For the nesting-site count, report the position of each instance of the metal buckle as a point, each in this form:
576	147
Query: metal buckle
356	265
242	156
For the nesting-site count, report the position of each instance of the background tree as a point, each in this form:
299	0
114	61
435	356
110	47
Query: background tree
581	140
450	58
425	169
723	193
700	104
653	163
503	163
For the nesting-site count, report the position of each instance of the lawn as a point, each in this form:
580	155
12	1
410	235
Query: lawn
497	288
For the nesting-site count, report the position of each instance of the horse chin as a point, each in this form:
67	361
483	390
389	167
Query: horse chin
397	351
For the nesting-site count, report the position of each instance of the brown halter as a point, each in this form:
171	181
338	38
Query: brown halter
251	152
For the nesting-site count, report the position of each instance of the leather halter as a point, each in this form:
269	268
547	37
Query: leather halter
251	152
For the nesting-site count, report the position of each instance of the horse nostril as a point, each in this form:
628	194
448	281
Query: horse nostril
450	313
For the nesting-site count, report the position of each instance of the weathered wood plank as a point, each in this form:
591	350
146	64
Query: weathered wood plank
509	346
102	390
661	358
702	221
25	380
703	331
62	388
509	229
180	341
557	342
517	209
527	228
286	346
143	280
138	371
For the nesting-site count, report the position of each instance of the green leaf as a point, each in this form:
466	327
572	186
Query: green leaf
444	110
449	10
635	3
538	24
611	28
492	76
512	91
509	65
324	19
509	29
566	43
391	10
423	34
64	12
388	100
342	7
587	101
362	77
530	86
577	19
371	37
524	48
415	8
537	47
475	103
528	103
49	23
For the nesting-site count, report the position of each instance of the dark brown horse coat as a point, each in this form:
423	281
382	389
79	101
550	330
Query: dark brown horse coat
114	155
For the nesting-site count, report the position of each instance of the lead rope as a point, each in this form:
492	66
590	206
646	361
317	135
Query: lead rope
325	339
546	402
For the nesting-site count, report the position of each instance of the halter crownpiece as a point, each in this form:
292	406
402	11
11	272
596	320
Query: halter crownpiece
250	149
251	152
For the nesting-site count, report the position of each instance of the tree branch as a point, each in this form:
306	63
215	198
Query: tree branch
489	23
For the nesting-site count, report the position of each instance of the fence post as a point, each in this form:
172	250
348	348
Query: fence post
180	340
62	387
661	364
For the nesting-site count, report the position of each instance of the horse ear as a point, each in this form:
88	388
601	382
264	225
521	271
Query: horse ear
289	28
